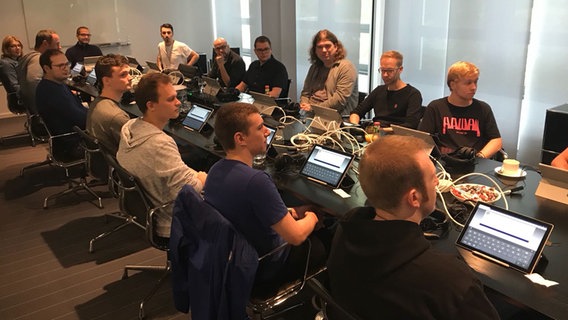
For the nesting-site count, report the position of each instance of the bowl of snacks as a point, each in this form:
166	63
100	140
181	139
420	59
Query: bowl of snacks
475	192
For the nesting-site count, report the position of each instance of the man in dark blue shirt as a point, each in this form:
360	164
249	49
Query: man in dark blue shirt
59	108
266	71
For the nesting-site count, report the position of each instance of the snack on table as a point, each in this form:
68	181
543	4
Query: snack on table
475	192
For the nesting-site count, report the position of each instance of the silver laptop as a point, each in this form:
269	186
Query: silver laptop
325	119
505	237
554	184
263	102
77	69
90	62
212	86
424	136
92	78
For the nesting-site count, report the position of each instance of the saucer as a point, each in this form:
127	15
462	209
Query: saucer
520	174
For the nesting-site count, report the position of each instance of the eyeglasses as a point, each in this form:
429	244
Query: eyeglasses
221	47
388	71
262	49
62	65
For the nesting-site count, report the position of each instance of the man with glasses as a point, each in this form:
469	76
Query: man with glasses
266	71
394	102
29	70
82	48
227	66
172	53
59	108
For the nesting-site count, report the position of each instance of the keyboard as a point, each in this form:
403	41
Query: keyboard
508	251
321	173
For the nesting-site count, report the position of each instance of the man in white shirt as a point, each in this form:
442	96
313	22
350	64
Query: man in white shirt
172	53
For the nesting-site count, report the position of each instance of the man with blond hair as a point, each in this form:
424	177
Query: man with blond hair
459	119
394	102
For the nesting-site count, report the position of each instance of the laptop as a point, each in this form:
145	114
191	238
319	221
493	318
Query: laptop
326	166
92	78
424	136
152	66
325	119
197	117
264	103
189	72
212	86
90	62
505	237
271	136
133	63
554	184
77	69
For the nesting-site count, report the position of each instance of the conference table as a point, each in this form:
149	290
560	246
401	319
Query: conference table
550	301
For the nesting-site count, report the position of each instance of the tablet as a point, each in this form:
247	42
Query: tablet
197	117
326	166
270	137
505	237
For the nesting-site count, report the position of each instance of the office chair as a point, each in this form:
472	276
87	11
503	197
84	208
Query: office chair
214	266
135	203
56	158
327	304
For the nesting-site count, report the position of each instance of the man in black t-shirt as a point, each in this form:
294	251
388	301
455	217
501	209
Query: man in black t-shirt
394	102
460	120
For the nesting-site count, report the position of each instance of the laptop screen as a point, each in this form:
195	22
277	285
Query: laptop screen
326	166
92	78
270	137
505	237
77	69
424	136
197	117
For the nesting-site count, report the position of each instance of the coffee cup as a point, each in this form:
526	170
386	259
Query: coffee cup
510	167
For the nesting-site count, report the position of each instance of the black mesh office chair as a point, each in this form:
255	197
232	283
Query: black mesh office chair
214	266
135	203
327	304
58	158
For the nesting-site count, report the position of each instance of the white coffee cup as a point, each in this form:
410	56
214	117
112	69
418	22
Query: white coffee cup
510	167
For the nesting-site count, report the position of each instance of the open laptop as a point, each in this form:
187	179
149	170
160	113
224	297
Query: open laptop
505	237
92	78
152	66
271	136
212	86
554	184
77	69
197	117
189	72
133	63
424	136
263	102
326	166
90	62
325	119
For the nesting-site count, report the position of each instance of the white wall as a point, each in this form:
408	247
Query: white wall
139	19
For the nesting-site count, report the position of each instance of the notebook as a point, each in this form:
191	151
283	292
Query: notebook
326	166
90	62
212	86
263	102
197	117
505	237
424	136
325	119
554	184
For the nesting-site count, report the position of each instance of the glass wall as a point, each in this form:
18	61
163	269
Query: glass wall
433	34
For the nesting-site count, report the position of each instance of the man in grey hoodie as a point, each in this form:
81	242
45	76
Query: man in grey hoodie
151	155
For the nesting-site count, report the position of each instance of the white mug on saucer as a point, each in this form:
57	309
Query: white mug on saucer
510	167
